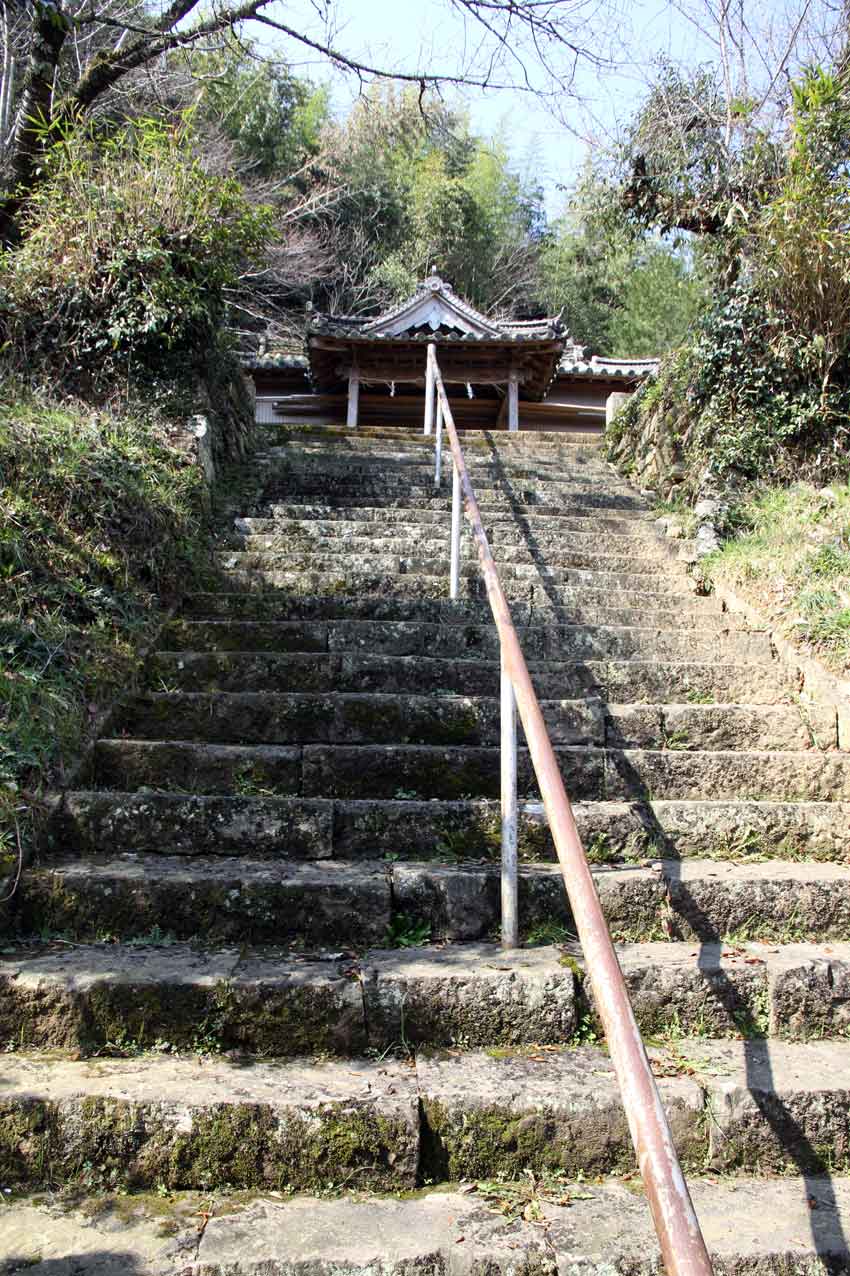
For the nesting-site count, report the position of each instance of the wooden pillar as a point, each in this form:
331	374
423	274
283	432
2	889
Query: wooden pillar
353	397
513	401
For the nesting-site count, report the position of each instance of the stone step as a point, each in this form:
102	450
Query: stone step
530	501
368	436
382	458
751	1225
629	523
406	638
544	611
514	564
306	718
396	466
433	562
379	525
175	1123
449	772
438	510
180	1122
578	450
280	828
353	905
620	682
279	605
347	483
119	997
529	588
417	470
546	551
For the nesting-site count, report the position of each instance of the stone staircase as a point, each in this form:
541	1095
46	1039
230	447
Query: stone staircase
261	960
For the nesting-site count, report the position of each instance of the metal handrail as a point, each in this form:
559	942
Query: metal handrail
682	1245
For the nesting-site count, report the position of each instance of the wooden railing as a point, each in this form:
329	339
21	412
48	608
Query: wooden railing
682	1245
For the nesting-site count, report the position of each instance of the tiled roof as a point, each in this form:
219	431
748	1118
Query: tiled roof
271	360
434	309
628	369
424	336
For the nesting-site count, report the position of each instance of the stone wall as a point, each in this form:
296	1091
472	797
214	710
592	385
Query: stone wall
646	441
221	428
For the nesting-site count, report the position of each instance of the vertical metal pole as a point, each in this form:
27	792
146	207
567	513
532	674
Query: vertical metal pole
438	447
510	915
353	398
429	393
454	573
513	401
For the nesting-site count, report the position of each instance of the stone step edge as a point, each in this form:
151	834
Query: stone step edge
276	1004
731	1106
307	829
663	899
750	1225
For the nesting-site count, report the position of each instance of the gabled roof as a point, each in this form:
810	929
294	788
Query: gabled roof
434	308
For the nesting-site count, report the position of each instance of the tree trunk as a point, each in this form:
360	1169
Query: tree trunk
49	32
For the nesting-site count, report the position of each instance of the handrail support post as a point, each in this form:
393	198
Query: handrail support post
508	762
454	570
429	394
438	446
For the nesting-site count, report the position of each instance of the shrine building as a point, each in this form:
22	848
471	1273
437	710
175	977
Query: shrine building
499	374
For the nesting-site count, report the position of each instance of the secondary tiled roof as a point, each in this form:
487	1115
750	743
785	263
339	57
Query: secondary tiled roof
573	362
257	362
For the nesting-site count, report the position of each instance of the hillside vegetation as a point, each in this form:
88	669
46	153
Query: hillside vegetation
753	409
102	521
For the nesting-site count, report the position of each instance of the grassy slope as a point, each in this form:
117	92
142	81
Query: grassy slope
101	521
791	558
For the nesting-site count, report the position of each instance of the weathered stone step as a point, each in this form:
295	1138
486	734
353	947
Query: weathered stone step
479	995
438	510
368	436
279	605
506	530
443	771
546	550
434	557
416	470
394	461
111	997
751	1225
377	487
529	501
362	718
352	905
531	589
419	463
181	1122
731	1106
280	828
629	523
115	998
483	442
544	611
406	638
623	682
306	718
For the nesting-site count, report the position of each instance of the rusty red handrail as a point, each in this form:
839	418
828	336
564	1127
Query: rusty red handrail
682	1245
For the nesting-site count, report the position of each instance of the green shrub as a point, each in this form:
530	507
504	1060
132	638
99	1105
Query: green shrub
128	249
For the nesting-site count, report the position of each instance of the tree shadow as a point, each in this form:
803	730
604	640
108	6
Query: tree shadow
791	1137
95	1263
